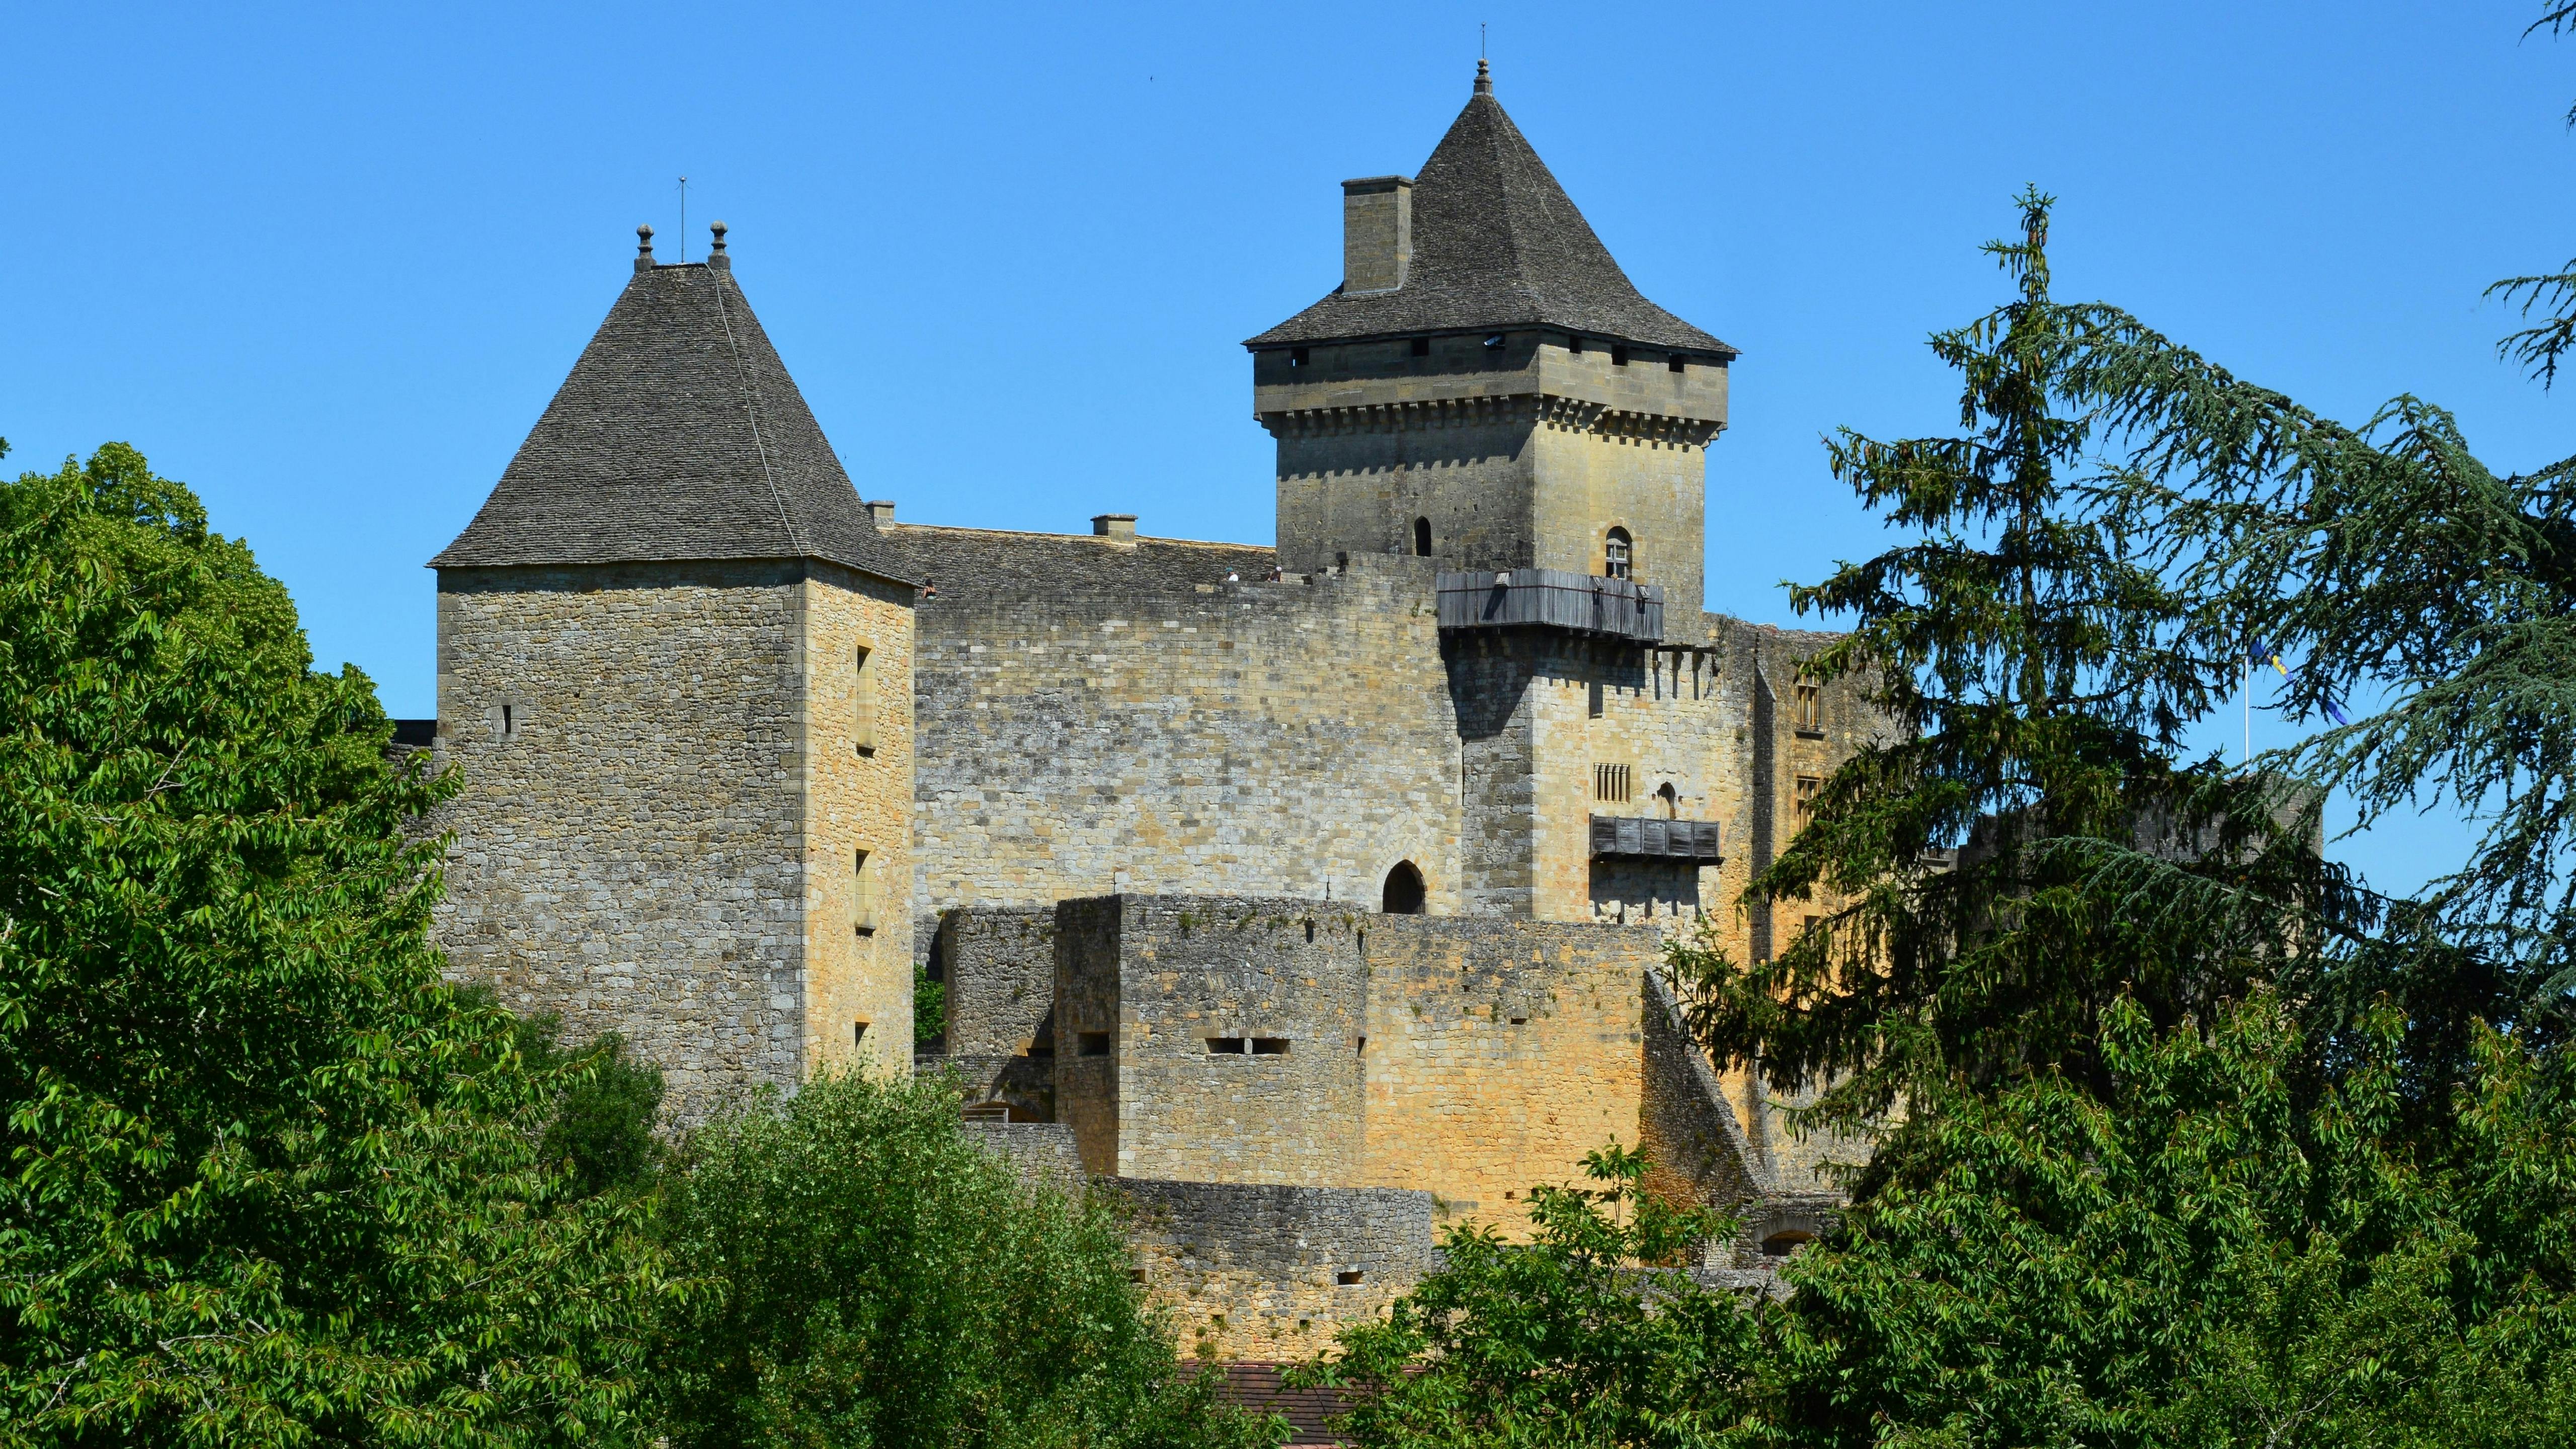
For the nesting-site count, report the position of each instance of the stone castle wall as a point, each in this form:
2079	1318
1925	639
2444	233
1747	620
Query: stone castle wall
1499	1053
1271	1272
1212	1039
857	751
658	808
1098	716
998	965
627	848
1526	453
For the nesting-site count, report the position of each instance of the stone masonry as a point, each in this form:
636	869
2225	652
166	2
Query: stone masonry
1312	895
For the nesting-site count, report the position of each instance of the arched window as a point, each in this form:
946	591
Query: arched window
1620	555
1668	801
1404	892
1422	538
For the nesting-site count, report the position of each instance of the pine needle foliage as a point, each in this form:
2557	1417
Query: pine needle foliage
2037	676
267	1179
2391	563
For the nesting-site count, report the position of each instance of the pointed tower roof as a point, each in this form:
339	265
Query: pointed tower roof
1496	243
678	436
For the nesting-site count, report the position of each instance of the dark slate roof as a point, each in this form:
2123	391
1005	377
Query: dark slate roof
1496	243
678	436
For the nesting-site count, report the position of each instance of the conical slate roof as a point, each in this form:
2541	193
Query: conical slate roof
1496	243
678	436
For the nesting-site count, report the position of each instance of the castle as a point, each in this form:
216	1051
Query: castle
1312	894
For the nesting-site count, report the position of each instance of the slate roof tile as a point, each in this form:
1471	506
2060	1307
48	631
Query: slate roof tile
678	436
1496	243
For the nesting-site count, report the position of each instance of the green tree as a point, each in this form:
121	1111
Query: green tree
268	1179
876	1278
2205	1253
1570	1339
602	1126
2038	676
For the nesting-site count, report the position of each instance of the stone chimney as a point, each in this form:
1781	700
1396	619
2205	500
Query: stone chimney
1115	527
880	511
1377	233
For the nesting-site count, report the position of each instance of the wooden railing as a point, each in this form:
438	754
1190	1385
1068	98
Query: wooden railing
1552	598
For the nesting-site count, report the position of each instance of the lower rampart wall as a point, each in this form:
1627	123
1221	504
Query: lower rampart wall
1272	1272
1499	1053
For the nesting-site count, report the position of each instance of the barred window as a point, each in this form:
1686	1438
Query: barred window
1611	782
1805	798
1810	708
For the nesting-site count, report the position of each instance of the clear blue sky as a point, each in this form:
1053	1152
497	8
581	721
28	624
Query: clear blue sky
326	264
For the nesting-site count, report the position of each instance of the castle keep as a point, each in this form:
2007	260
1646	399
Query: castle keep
1310	895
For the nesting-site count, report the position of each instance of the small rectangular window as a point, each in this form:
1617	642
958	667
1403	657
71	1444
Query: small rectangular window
1809	709
1574	345
1422	347
1675	363
858	1033
1270	1046
1359	1046
1806	798
865	912
1092	1043
1298	357
1225	1046
863	700
1593	703
1349	1276
1618	354
1611	783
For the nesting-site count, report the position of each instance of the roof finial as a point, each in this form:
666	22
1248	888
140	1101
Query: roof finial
719	229
716	257
643	248
1484	77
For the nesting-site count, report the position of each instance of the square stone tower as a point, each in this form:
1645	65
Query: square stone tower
1488	390
1486	387
675	672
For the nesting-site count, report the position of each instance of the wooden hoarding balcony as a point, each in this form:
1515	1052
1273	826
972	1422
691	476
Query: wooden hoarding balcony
1622	837
1552	598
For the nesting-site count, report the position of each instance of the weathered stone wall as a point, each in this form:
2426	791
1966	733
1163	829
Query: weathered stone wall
1688	1127
1098	717
1150	984
628	846
1527	453
661	807
1272	1272
1040	1152
858	989
1499	1053
998	965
